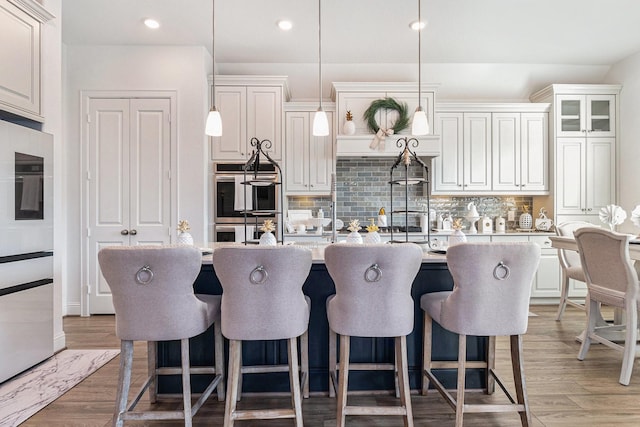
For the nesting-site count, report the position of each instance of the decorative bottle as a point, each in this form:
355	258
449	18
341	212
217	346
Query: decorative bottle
349	127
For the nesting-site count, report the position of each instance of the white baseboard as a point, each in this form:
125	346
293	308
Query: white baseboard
59	342
73	309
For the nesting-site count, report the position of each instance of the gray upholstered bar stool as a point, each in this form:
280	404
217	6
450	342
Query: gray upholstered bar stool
372	299
490	297
571	266
152	288
262	299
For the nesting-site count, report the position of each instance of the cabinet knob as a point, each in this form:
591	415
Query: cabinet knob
589	209
124	232
459	185
133	232
311	186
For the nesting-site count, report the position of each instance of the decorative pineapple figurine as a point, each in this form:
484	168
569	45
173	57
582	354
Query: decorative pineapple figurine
354	236
349	127
457	236
267	238
372	236
526	220
184	237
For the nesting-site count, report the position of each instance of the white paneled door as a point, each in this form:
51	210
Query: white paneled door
128	182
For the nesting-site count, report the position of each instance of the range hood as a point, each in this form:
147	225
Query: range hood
359	146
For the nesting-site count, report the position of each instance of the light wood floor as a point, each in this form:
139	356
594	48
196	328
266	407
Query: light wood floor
563	391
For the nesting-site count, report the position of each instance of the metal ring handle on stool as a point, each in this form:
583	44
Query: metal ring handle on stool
144	276
506	271
263	275
376	269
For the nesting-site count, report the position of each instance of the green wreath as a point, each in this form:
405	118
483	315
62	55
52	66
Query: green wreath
387	104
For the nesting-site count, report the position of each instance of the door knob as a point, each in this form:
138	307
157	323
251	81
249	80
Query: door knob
133	232
124	232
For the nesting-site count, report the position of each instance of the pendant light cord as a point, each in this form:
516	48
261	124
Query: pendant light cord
213	53
320	53
419	57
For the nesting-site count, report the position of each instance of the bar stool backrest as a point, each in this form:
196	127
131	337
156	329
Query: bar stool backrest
492	286
152	288
262	295
606	263
373	288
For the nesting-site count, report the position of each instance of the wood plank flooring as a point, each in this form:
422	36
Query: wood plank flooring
563	391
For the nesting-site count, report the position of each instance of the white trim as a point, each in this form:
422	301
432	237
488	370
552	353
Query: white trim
34	9
85	97
498	107
250	80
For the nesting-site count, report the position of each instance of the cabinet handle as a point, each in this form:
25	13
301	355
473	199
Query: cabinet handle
523	185
124	232
311	186
459	185
133	232
589	209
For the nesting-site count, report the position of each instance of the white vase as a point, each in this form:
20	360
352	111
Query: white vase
372	237
268	239
526	221
185	238
457	237
349	128
354	237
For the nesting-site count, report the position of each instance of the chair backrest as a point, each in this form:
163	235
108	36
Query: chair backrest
262	295
152	288
606	262
491	288
569	258
373	288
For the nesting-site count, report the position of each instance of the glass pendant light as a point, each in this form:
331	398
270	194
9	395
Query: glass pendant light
320	121
419	124
213	126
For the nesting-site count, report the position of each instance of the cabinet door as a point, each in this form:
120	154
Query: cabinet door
505	128
320	160
534	152
570	173
477	152
570	115
264	117
297	151
600	177
447	168
600	115
546	282
20	70
231	101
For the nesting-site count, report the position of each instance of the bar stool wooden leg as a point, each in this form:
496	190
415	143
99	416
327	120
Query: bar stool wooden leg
304	362
235	350
517	362
218	347
462	362
152	366
427	328
403	379
333	349
343	382
564	295
124	381
186	380
296	397
491	365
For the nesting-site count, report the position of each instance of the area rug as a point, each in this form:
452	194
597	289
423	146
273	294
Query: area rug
26	394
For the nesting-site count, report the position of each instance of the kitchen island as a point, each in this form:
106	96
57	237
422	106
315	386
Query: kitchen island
433	276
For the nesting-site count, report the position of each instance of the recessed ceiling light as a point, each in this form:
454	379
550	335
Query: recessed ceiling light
415	25
151	23
285	25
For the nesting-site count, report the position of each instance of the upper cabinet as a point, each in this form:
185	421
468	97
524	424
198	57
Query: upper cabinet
585	115
20	50
357	97
492	149
250	106
309	158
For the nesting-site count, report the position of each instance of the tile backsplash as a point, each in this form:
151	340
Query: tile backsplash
363	188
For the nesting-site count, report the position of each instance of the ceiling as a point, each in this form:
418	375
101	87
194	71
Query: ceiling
577	32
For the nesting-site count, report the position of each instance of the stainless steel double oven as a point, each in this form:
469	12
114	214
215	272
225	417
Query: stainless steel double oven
227	216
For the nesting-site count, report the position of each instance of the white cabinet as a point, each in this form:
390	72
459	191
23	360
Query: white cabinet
520	152
20	50
309	159
250	107
464	164
585	175
586	115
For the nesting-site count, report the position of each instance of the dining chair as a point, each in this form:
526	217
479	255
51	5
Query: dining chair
571	266
153	298
611	280
490	297
373	299
262	299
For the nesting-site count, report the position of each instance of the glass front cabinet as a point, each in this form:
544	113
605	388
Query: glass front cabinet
585	115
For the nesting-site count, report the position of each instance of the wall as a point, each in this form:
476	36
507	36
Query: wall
627	72
120	68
